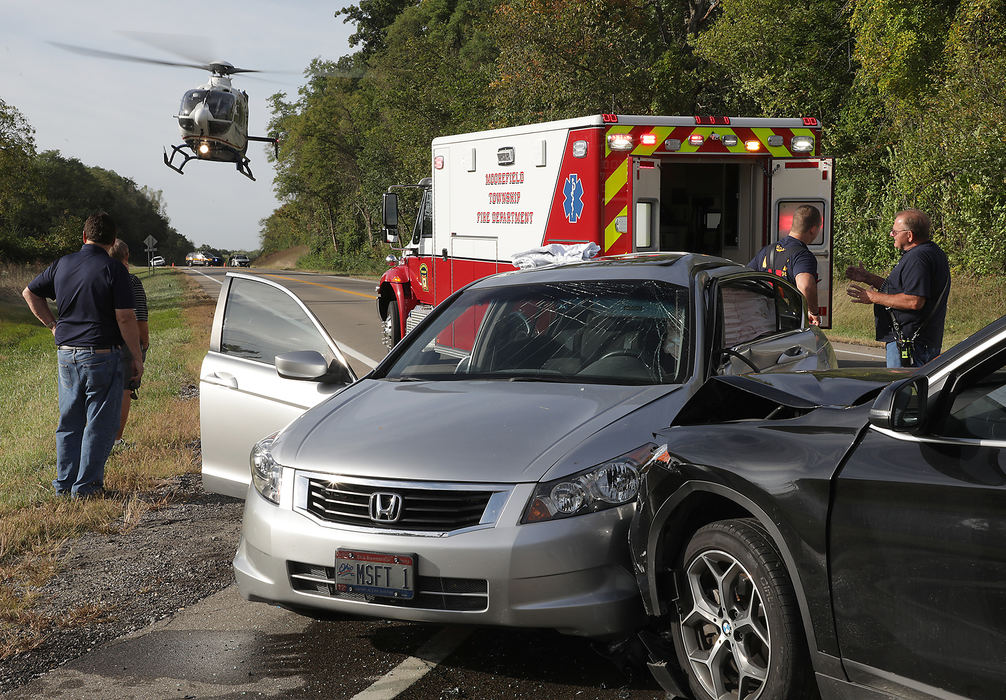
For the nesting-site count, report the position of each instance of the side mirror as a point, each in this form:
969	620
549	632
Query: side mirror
389	216
901	406
310	366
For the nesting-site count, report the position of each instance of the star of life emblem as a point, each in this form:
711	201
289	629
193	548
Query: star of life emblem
572	198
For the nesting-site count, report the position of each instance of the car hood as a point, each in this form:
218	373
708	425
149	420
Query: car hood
743	396
467	431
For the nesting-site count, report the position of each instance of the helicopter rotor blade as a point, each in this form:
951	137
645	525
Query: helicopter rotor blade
100	53
193	48
197	49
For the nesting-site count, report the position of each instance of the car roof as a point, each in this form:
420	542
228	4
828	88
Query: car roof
988	339
676	268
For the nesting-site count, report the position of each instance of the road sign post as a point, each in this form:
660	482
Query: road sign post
151	247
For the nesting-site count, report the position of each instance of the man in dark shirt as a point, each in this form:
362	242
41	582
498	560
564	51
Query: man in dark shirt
95	316
789	257
911	303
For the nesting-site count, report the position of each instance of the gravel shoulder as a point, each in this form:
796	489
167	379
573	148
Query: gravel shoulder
115	583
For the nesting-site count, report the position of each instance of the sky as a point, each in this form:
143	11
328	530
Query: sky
118	115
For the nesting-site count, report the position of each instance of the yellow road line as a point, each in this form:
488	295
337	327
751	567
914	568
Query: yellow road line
319	284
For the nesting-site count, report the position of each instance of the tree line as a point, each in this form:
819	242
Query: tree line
909	92
45	198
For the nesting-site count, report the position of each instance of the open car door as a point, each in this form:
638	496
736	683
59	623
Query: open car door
761	326
242	397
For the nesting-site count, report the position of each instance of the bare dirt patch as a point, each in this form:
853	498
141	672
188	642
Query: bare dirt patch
284	259
171	555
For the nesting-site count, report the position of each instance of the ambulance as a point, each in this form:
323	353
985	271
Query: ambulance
723	186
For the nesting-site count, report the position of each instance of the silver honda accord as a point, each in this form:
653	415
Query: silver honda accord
485	472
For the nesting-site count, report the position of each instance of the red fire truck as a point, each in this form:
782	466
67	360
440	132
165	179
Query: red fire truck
718	185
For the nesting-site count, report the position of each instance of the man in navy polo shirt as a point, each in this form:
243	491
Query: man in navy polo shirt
95	316
910	304
789	257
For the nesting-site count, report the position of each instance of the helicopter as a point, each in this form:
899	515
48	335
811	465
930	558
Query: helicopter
212	118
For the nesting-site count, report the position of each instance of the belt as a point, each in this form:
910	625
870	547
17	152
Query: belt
88	347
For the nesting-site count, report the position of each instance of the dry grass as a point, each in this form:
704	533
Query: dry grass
37	528
14	278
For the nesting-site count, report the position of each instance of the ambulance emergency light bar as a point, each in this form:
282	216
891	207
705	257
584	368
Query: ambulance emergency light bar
625	142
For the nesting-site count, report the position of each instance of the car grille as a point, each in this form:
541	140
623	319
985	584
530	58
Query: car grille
432	592
423	510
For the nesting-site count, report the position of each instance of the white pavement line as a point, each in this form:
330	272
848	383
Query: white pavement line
874	355
346	350
206	276
405	674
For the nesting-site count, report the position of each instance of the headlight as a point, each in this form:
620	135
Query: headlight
265	472
605	486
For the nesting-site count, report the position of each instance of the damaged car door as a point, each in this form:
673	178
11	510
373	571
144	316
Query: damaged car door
270	359
760	325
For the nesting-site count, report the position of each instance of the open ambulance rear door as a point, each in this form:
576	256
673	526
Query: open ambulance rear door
798	181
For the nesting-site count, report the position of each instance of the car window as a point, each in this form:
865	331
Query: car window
753	308
632	332
978	406
261	321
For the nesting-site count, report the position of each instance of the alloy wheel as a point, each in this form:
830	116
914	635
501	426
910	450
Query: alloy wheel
725	635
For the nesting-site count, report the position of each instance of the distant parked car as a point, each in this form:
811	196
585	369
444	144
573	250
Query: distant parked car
486	471
214	259
157	261
239	261
196	259
833	531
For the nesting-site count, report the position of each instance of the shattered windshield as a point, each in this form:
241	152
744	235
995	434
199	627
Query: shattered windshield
617	332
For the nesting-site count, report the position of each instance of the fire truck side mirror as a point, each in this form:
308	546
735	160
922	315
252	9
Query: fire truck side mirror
389	217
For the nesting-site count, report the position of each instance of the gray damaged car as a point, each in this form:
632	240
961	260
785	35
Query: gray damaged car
486	471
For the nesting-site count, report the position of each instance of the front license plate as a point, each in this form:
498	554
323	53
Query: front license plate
375	573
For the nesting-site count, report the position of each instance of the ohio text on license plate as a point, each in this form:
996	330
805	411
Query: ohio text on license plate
375	573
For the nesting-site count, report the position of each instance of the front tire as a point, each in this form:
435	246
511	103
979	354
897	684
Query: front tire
738	636
392	327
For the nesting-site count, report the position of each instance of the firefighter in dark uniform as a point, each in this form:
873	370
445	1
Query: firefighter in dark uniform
789	257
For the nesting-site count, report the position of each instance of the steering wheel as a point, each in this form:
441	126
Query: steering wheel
516	323
626	353
734	353
619	353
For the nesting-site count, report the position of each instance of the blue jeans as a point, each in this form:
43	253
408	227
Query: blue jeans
90	399
921	354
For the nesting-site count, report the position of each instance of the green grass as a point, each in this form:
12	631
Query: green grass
28	380
974	303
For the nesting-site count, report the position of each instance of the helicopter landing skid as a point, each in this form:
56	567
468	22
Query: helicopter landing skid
241	165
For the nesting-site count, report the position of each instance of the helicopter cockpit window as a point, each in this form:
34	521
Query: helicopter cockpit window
221	105
190	100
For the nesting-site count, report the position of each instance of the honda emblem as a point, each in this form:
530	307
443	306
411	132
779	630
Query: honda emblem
385	507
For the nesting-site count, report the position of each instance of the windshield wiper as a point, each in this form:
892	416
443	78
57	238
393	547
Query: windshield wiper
546	378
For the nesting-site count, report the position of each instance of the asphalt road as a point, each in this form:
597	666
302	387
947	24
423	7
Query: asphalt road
226	647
